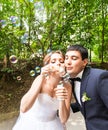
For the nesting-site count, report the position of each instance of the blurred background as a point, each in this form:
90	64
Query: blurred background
29	29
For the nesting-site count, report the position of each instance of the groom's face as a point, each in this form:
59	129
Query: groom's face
74	63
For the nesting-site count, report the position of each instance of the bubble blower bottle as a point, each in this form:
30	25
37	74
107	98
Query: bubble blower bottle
65	77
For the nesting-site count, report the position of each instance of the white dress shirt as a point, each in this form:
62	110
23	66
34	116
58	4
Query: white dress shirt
77	87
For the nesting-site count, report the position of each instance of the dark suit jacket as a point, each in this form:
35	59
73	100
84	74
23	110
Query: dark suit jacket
95	111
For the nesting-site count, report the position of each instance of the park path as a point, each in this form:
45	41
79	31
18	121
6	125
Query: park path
75	122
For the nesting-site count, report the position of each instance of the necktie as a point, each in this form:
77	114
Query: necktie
74	79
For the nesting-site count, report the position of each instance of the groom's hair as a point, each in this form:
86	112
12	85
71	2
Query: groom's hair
83	51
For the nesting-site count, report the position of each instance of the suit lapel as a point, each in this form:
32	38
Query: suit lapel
83	87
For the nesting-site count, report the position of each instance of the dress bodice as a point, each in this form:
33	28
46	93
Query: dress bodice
44	108
41	116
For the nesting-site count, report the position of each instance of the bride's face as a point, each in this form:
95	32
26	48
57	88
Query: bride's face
56	62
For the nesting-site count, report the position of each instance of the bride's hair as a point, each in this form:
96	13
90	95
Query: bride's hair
48	56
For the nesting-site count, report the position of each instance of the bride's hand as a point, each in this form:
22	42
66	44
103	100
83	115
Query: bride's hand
53	70
45	70
61	93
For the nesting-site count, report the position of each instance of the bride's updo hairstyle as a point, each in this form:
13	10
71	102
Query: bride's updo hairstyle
48	56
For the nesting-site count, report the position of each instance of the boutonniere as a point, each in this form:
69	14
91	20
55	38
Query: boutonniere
85	97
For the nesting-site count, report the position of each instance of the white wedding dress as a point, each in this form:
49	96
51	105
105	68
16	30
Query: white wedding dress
42	115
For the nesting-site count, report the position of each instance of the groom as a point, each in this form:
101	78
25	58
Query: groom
91	93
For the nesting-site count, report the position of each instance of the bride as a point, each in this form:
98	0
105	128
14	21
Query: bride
41	108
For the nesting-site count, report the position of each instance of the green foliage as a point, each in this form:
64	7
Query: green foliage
28	26
7	70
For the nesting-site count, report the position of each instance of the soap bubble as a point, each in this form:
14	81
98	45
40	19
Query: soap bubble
38	69
15	21
49	50
32	73
13	59
3	23
18	78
